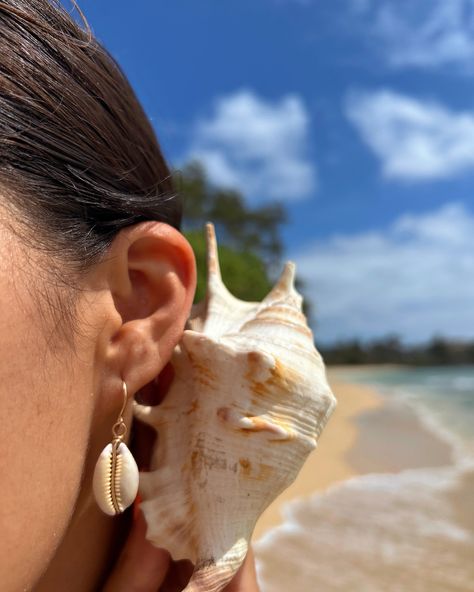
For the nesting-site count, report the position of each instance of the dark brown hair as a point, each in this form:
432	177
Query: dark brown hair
78	157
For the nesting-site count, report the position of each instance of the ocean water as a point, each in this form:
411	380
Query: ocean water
443	397
409	531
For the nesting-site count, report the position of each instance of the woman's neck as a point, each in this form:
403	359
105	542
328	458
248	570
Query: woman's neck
88	550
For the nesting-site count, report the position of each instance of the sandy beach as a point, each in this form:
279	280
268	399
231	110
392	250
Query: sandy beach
327	464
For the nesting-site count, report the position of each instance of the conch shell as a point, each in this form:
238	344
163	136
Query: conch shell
247	404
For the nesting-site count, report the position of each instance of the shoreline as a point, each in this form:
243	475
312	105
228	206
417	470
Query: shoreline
328	463
367	433
381	504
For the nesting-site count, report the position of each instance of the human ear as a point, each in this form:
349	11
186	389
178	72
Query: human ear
151	275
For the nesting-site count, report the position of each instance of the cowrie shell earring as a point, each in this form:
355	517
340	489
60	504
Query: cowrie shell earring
115	481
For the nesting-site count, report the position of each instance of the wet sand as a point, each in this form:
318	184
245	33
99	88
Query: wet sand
392	438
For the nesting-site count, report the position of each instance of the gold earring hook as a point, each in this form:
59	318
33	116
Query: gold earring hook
119	428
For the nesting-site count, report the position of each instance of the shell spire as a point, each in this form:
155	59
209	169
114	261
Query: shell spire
213	267
285	283
247	404
220	312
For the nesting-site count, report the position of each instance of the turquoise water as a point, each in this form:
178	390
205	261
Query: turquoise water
442	396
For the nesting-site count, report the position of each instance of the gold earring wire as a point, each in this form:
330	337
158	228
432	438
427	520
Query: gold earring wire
119	429
115	481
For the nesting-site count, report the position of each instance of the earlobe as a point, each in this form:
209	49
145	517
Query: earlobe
152	279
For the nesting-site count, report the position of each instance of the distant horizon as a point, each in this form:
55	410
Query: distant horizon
435	352
382	338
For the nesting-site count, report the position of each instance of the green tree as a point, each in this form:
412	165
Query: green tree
244	274
250	245
240	227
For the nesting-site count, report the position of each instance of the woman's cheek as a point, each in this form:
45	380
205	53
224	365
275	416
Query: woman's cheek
44	422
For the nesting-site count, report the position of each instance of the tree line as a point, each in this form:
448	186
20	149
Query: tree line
390	350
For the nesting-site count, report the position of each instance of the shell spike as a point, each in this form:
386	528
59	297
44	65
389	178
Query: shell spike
145	413
284	289
287	277
215	285
219	310
213	267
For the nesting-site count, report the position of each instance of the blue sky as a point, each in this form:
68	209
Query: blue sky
357	114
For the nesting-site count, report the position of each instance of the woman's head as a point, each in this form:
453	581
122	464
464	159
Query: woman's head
78	157
96	280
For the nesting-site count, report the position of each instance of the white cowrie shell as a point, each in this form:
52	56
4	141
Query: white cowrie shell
115	481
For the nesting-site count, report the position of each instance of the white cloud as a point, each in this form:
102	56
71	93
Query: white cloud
415	278
414	139
257	146
414	33
426	33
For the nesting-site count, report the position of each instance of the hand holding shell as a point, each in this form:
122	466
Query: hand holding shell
246	407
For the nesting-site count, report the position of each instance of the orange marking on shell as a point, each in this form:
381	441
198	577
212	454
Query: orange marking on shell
264	471
193	407
281	378
204	381
258	387
246	466
200	368
195	462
